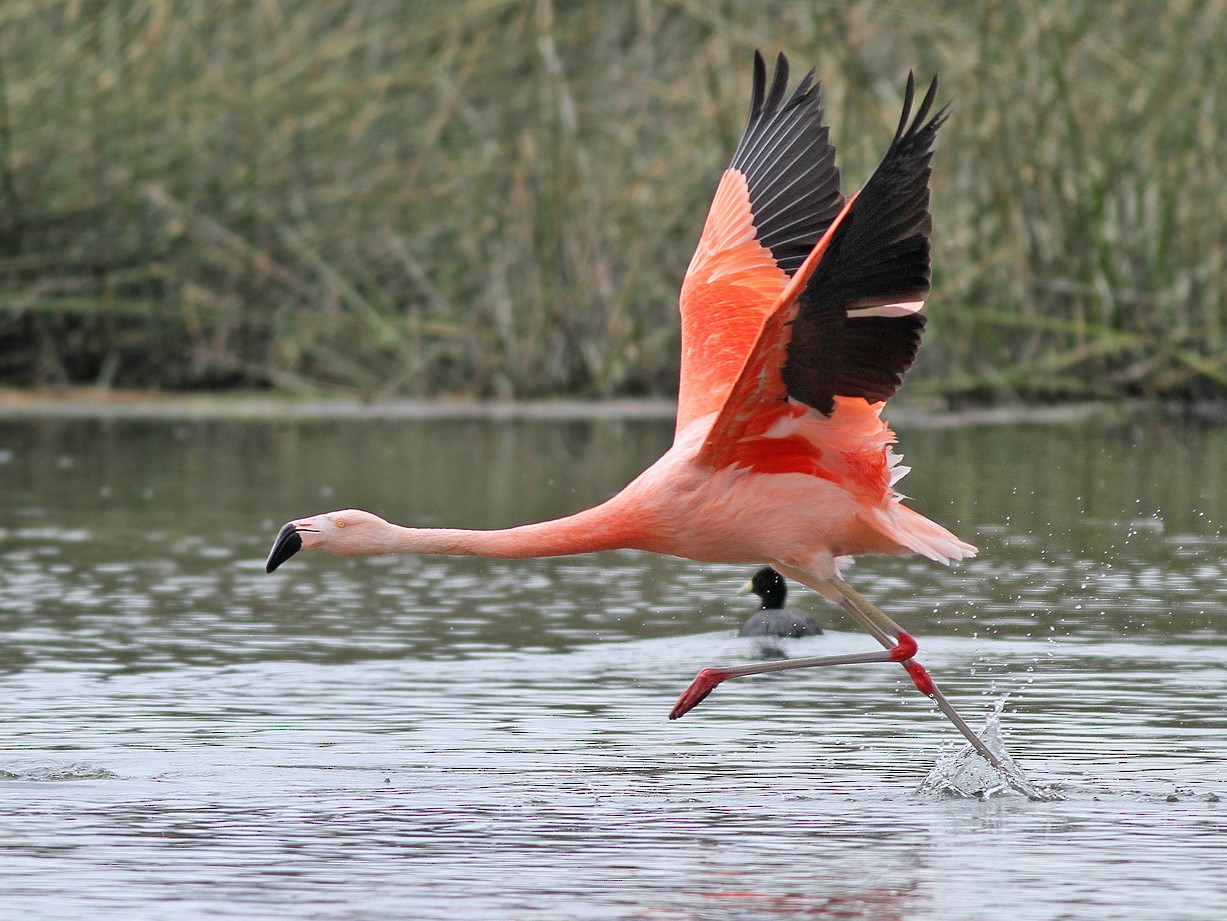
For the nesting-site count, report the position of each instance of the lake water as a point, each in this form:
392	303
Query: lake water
188	737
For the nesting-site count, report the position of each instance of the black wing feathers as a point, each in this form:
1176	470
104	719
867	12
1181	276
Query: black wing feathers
789	165
878	256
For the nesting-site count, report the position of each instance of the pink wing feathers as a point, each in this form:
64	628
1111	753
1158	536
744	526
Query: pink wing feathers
774	202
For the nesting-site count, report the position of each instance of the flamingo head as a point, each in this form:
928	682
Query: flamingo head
348	532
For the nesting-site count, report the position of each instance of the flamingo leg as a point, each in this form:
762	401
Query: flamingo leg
876	622
865	612
901	650
705	682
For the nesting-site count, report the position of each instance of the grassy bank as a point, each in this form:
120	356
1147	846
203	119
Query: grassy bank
499	198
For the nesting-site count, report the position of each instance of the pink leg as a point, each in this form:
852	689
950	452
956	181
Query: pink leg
873	619
705	682
901	650
876	622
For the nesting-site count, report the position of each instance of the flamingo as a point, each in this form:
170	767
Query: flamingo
772	618
800	314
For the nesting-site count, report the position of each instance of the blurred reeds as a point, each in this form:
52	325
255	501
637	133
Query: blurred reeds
499	197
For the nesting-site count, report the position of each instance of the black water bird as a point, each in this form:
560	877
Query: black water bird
772	618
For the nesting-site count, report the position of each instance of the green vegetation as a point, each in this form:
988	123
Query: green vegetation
499	197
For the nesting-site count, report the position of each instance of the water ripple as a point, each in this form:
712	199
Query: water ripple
488	739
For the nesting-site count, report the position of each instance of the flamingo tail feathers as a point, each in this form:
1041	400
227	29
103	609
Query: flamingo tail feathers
912	530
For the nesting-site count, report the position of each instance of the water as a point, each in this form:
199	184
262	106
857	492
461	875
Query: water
188	737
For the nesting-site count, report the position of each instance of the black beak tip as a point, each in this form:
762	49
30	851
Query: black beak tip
288	543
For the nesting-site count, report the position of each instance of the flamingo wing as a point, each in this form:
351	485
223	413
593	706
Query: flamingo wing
847	323
775	201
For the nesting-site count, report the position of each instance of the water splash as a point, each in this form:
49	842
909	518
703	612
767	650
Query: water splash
76	771
966	774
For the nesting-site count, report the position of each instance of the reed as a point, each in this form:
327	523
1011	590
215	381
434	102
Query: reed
499	197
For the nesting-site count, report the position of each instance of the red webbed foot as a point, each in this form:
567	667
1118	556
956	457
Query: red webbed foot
704	683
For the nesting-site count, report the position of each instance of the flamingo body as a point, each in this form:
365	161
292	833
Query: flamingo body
800	315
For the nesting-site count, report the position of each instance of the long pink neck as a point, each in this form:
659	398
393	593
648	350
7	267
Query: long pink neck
599	528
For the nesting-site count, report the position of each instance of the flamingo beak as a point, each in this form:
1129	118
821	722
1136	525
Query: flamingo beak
744	590
288	543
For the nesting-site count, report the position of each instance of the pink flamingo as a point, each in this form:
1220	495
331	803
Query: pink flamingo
800	315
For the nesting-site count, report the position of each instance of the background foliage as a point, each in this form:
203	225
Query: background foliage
499	197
